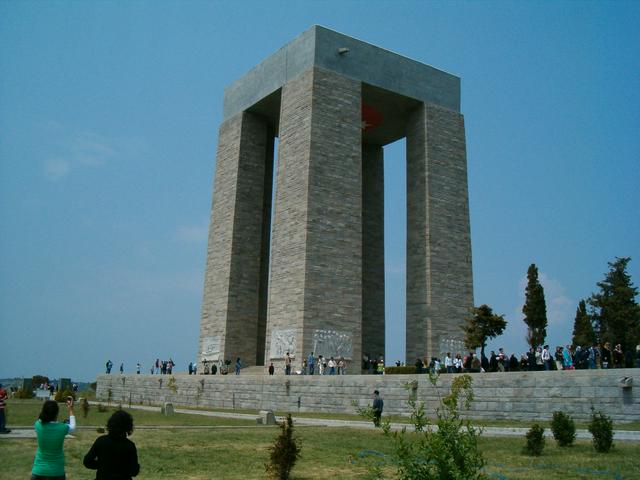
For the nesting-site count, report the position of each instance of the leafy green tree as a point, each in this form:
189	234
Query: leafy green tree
482	326
616	313
535	309
583	333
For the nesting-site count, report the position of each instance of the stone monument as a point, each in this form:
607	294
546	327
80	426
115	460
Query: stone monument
306	272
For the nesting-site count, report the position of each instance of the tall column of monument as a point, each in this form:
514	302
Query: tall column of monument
315	292
236	251
439	275
373	301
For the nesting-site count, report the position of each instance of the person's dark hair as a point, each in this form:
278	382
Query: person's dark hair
376	392
49	411
120	424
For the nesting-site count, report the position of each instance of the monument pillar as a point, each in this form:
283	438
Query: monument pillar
439	276
315	293
373	314
237	253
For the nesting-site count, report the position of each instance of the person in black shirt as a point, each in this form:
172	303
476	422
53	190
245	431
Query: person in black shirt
114	456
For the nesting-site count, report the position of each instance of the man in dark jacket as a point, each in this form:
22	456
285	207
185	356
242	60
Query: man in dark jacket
378	405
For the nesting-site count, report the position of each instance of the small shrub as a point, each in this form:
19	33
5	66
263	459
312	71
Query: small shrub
449	452
61	395
535	441
171	385
102	408
93	386
601	427
24	394
563	429
284	452
419	417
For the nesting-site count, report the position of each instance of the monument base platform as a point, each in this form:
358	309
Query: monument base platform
523	396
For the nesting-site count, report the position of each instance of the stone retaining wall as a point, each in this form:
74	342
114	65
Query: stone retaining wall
516	396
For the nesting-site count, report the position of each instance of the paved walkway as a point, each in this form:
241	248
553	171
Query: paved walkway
631	435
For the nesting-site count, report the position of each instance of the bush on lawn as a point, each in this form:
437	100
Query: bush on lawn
563	429
535	441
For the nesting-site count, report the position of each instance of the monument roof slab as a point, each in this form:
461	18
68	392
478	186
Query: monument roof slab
325	48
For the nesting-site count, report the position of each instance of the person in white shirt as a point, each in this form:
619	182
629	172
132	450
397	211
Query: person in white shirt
457	363
332	366
546	357
448	363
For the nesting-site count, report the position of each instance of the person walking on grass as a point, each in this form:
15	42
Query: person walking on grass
49	461
378	405
114	456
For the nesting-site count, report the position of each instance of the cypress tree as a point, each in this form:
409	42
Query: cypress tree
583	333
616	313
535	309
481	326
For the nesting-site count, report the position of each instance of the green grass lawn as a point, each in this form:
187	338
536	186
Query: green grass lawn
238	451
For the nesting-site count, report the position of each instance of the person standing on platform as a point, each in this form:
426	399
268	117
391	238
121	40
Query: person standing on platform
332	366
381	366
342	366
287	364
546	358
311	363
238	366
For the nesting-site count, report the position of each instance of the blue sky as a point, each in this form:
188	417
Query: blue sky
108	128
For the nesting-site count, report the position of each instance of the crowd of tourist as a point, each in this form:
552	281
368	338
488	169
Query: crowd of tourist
159	367
540	358
536	359
310	365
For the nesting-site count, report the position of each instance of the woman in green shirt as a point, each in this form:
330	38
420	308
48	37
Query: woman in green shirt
49	461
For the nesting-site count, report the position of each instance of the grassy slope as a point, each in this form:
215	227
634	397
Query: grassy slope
240	452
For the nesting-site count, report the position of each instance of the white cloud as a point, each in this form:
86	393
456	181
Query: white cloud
91	150
78	150
192	233
56	169
559	306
